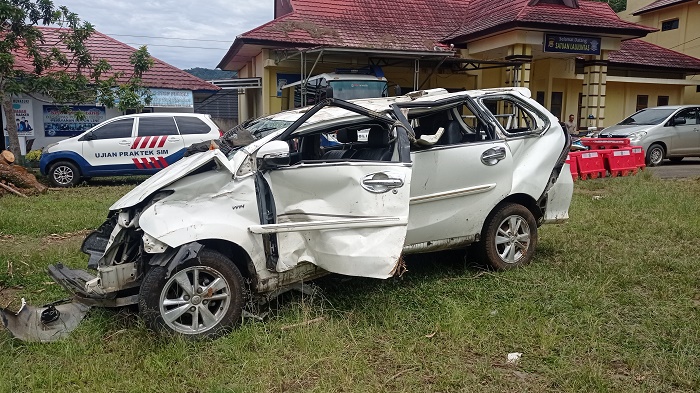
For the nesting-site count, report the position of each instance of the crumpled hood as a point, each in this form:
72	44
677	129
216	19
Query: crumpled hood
170	175
620	129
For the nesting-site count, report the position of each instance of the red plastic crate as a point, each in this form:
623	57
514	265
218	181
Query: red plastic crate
590	164
620	162
605	143
639	157
572	160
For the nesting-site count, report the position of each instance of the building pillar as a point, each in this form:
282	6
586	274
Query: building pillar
519	76
595	73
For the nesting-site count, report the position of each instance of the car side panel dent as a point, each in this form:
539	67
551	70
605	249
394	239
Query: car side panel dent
178	222
532	170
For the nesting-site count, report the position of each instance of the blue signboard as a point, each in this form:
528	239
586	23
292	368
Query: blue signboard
572	44
59	122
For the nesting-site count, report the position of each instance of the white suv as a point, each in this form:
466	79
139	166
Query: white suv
198	241
126	145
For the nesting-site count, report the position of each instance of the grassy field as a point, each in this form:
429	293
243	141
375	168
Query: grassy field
610	303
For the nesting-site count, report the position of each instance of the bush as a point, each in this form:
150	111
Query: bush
34	155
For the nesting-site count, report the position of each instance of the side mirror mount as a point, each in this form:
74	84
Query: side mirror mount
274	154
678	121
88	137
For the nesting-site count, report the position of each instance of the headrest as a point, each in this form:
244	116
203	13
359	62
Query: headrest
347	136
377	137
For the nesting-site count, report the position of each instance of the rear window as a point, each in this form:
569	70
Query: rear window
157	126
191	125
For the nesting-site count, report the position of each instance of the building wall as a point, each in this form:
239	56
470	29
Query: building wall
685	39
548	75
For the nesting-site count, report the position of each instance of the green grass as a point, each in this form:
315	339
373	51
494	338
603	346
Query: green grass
611	303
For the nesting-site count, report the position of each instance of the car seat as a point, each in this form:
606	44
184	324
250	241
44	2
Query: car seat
378	148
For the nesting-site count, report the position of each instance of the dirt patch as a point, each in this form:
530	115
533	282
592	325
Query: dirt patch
57	238
9	299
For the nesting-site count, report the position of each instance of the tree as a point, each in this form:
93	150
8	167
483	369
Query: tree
62	69
616	5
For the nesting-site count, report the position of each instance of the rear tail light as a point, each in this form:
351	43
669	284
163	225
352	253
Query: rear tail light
221	133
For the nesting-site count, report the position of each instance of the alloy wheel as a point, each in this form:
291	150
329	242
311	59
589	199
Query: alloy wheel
195	300
512	239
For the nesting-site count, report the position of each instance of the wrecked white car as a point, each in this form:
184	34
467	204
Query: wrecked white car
197	241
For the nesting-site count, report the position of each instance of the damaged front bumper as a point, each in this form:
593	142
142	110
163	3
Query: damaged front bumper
54	321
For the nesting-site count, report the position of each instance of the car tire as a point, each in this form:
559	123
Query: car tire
509	237
655	155
676	160
176	305
64	174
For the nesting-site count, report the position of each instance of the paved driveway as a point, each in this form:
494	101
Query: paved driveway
688	168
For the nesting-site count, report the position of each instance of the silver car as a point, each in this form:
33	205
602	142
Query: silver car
671	132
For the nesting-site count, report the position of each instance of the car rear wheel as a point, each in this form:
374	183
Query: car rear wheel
510	237
655	155
64	174
202	298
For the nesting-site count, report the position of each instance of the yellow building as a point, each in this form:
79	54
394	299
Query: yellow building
678	24
577	57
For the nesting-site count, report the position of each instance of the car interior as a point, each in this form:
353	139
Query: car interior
374	141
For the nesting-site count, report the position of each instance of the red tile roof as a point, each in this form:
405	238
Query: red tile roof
642	53
591	16
161	75
420	24
659	4
416	25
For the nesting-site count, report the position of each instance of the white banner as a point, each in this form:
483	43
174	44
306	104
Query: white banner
24	117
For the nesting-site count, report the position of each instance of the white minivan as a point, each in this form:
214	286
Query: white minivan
139	144
223	229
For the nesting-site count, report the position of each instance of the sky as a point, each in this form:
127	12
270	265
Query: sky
183	33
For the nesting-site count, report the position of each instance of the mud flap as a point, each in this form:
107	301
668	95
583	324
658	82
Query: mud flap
44	324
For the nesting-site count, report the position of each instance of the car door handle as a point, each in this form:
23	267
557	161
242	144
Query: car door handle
381	182
125	143
493	156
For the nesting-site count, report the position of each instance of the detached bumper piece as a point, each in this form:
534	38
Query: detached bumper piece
44	324
54	321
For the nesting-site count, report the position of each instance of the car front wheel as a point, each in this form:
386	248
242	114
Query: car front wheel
510	237
64	174
655	155
202	298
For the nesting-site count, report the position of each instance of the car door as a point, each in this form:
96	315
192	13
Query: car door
157	145
107	147
343	215
460	179
686	139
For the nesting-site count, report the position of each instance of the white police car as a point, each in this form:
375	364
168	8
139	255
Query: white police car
139	144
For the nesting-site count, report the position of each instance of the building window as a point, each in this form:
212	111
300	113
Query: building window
662	101
669	25
540	97
557	101
642	102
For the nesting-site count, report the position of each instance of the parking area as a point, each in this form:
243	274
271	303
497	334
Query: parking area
688	168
